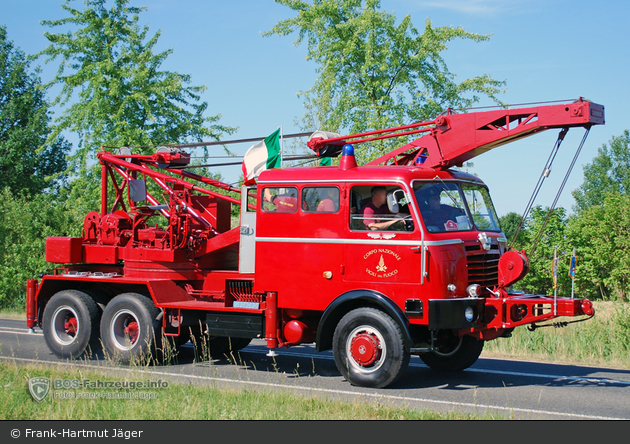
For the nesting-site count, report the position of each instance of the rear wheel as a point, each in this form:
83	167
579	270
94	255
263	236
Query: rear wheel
369	349
453	353
71	320
130	327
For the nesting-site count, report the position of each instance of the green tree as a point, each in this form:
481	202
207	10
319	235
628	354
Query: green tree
510	223
608	172
376	73
114	92
24	225
602	236
544	232
27	162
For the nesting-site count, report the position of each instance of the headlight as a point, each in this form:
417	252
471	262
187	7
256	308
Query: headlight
473	290
470	314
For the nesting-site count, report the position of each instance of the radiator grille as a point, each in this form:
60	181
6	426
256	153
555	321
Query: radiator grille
483	265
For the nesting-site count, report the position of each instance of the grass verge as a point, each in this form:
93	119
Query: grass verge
181	402
602	341
12	314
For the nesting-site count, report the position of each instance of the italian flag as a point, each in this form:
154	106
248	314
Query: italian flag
264	155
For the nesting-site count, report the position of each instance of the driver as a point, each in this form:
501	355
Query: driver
438	214
375	208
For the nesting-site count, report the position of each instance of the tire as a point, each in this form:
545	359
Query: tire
454	354
369	349
71	324
130	328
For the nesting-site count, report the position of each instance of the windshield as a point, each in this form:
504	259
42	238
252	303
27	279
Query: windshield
450	206
481	208
442	206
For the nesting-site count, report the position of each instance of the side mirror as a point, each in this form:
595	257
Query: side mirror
137	190
392	202
395	199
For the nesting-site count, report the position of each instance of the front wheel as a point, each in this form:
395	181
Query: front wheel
369	349
70	324
453	353
130	327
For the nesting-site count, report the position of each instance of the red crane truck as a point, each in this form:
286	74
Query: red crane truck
402	256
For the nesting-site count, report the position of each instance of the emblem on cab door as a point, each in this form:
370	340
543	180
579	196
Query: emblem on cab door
379	268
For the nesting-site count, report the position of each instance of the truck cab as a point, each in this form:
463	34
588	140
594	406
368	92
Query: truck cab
438	234
400	240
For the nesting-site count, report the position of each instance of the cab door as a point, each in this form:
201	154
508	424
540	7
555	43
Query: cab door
386	256
247	246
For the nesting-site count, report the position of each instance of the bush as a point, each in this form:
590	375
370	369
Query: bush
25	222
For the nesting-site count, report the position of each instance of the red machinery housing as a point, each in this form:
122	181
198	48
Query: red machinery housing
399	257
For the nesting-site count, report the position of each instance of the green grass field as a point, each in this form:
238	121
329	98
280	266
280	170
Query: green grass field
183	402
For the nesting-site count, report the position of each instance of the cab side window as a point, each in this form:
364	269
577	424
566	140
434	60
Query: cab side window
251	200
320	199
379	208
280	199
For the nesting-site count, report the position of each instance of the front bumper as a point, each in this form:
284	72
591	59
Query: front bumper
502	312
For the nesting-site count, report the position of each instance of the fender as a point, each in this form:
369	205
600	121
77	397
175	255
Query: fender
355	299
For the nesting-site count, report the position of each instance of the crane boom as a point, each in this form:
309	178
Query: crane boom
452	139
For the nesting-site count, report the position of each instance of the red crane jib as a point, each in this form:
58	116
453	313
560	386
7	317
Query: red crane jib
452	139
457	138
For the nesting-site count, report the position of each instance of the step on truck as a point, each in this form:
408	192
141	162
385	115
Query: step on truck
401	256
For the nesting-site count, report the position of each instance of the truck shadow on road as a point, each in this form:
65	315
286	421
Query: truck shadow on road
489	373
303	362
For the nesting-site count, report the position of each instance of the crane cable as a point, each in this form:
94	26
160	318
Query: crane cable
545	174
555	201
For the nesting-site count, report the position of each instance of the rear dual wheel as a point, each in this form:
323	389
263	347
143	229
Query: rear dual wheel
130	327
70	323
369	349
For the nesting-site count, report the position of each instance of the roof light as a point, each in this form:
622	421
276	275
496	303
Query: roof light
348	161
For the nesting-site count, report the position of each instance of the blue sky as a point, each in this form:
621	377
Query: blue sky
544	50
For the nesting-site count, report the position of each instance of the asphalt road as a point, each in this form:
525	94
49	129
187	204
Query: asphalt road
505	388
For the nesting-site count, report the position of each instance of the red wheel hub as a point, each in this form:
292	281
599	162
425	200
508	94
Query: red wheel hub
71	326
131	331
365	349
